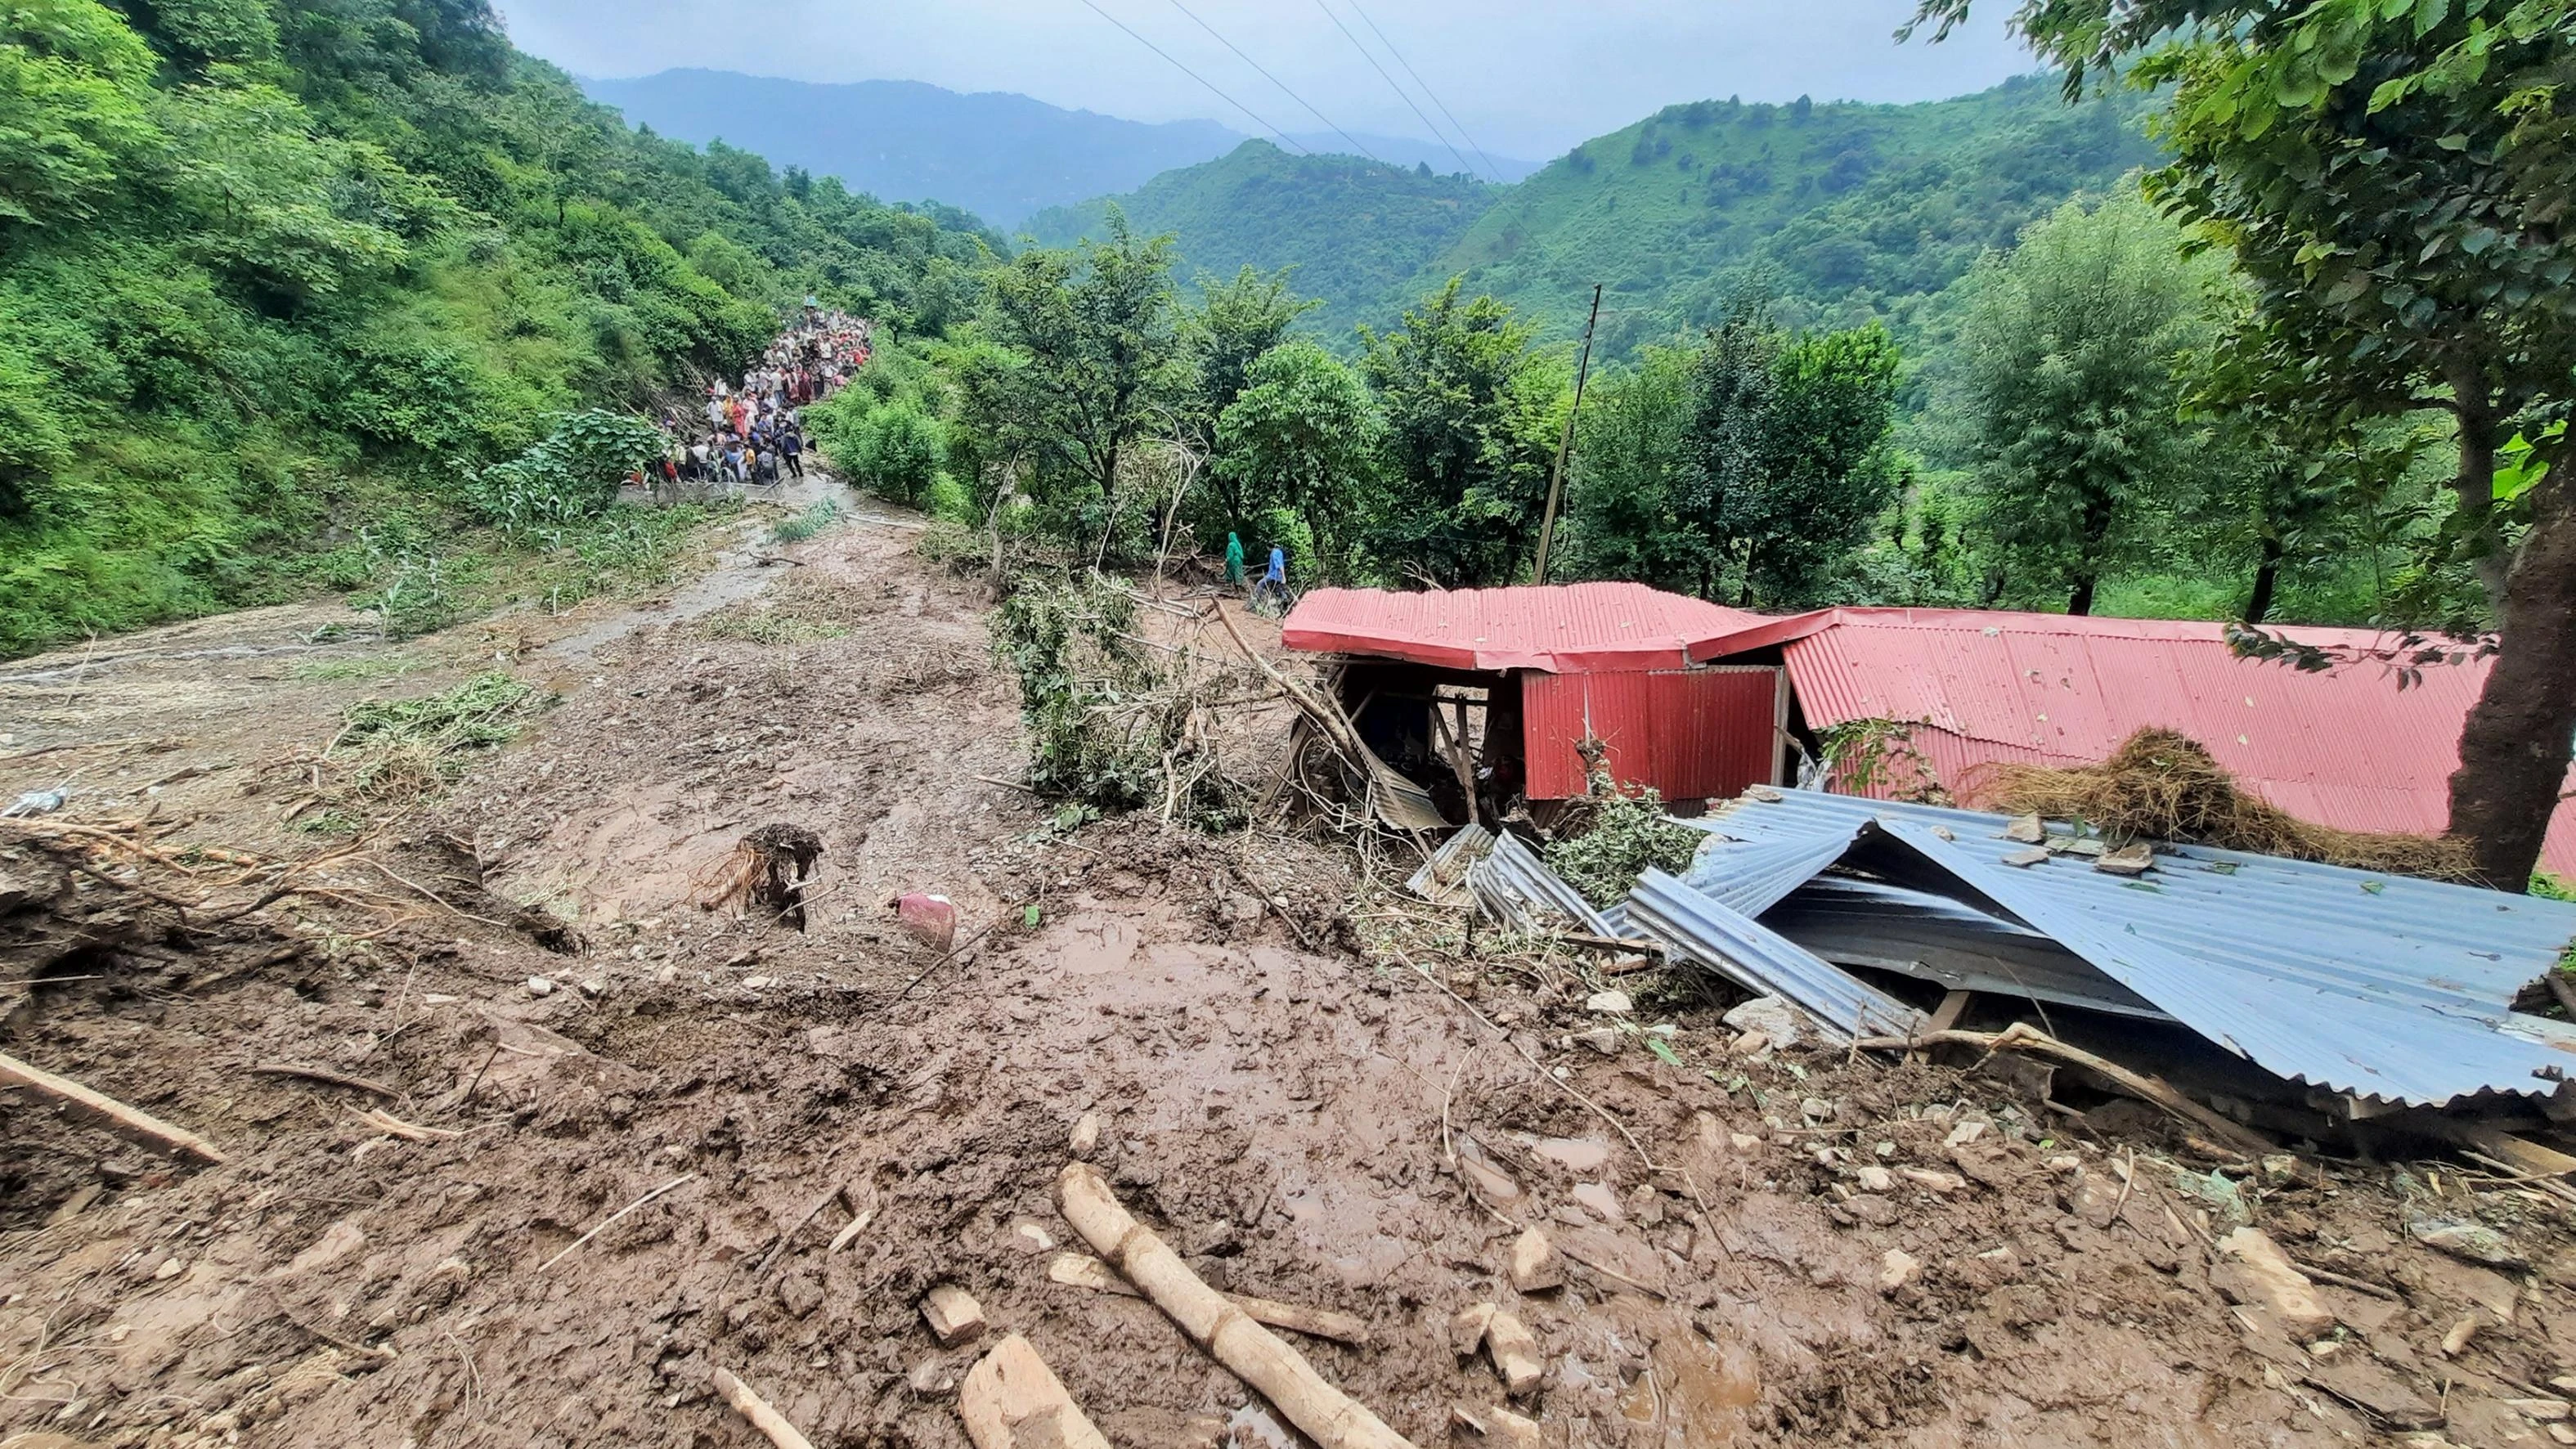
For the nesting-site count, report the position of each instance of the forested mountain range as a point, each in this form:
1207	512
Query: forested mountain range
1849	211
1001	156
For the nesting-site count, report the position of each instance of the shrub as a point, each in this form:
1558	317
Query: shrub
570	476
1625	835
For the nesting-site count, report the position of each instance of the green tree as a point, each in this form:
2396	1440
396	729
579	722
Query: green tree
2394	176
1471	415
1083	361
2070	396
1624	516
1302	434
73	108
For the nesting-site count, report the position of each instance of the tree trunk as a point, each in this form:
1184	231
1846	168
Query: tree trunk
2081	601
2514	750
2473	485
2267	577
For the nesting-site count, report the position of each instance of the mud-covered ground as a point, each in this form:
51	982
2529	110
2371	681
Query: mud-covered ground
1299	1082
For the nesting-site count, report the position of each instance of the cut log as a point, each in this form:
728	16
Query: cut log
756	1410
1012	1400
108	1112
1257	1356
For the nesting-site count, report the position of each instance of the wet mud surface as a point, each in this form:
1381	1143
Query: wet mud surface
1304	1121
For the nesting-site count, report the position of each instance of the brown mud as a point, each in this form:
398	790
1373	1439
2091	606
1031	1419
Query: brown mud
1345	1124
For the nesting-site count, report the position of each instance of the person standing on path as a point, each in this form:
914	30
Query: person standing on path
1234	560
791	446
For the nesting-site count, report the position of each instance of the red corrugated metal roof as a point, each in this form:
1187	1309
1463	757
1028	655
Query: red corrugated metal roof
2346	749
1561	628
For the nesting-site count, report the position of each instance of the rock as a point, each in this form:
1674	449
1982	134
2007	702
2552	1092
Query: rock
1933	1179
541	986
592	986
2264	1277
2456	1342
1776	1020
1750	1044
2464	1238
1875	1178
1876	1212
2026	830
1897	1269
1514	1350
1086	1135
758	983
2547	1411
1612	1003
2027	856
1602	1039
932	1378
953	1317
1031	1237
2096	1201
1467	1328
1615	1255
170	1268
1743	1141
1535	1265
1600	1201
930	919
2562	1434
1815	1109
1500	1428
2135	859
1965	1133
2280	1169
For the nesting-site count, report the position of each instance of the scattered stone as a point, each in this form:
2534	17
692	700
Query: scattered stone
2026	830
541	986
1514	1350
932	1378
758	983
2027	856
1602	1039
953	1317
593	987
1965	1133
1032	1237
1874	1178
1743	1141
170	1268
2547	1411
1876	1212
2562	1434
1611	1003
2463	1238
1897	1269
1816	1109
1467	1328
2263	1276
2280	1169
2131	860
1535	1264
1751	1044
1086	1135
1933	1179
1777	1021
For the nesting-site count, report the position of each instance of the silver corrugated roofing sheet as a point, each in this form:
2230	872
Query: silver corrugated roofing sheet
1513	886
1443	878
1931	937
1691	926
2379	986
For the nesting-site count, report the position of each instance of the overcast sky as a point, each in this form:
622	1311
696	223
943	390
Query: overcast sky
1526	77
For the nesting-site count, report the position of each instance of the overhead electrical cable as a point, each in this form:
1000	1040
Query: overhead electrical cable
1202	80
1390	81
1490	168
1283	85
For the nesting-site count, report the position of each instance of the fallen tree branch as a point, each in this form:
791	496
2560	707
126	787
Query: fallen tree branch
757	1412
1081	1270
576	1243
117	1117
2022	1036
394	1126
1229	1335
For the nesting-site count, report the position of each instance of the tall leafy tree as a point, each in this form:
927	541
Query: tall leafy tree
1472	413
1624	510
1083	362
2395	178
1234	324
1303	435
2070	395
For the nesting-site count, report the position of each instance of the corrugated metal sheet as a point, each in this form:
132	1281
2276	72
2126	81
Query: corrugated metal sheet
1692	735
1513	886
1692	927
1931	937
1443	878
1559	628
2347	749
2378	986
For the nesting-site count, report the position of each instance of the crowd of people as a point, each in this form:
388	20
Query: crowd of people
753	435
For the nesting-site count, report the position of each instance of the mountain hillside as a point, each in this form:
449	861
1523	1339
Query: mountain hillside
1849	211
1354	230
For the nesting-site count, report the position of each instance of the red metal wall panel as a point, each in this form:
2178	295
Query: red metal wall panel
1689	733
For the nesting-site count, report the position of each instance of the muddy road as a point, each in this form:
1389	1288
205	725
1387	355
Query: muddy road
1309	1088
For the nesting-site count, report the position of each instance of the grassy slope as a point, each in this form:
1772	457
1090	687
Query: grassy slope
1353	230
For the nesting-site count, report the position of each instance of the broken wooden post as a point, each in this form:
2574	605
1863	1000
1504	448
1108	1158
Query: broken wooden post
1257	1356
1081	1270
1012	1400
108	1112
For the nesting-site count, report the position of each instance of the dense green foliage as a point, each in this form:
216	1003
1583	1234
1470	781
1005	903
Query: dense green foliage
1358	234
287	273
1844	212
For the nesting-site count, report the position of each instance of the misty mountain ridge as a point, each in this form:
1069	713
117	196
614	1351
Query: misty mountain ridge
1002	156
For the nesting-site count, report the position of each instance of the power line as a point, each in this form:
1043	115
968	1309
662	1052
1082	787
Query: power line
1490	168
1194	75
1390	80
1283	85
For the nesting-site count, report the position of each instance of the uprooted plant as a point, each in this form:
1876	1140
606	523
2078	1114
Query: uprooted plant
1112	720
393	751
1617	836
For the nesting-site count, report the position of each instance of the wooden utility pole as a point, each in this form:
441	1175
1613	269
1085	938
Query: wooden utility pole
1565	445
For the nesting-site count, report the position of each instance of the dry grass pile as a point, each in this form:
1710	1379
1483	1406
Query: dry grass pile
2162	785
399	750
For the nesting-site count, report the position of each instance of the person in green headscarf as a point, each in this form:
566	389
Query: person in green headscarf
1233	559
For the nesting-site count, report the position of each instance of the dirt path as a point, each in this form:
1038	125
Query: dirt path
1303	1125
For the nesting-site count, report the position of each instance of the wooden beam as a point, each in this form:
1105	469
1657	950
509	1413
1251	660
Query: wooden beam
108	1112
